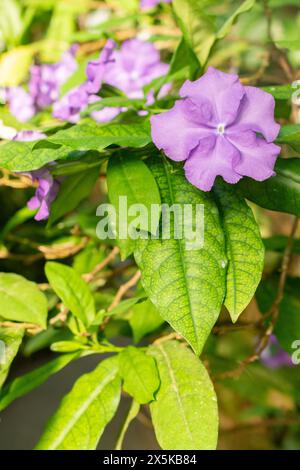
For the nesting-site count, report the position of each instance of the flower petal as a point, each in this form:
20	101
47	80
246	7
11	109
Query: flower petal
257	156
257	113
174	133
224	91
205	164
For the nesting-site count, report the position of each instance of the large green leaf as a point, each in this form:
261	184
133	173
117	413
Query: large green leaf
244	247
24	384
72	191
279	193
91	136
72	290
139	373
28	156
200	28
21	300
185	413
10	340
85	411
130	178
186	285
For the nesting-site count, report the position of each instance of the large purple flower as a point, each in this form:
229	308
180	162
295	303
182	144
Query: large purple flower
219	128
274	356
21	104
133	66
146	4
46	79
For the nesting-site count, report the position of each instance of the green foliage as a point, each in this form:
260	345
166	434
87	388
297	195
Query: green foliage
139	373
185	412
83	414
21	300
10	340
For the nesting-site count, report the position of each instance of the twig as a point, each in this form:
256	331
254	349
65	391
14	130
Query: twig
123	289
88	277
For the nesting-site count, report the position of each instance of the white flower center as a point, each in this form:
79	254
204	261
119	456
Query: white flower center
221	129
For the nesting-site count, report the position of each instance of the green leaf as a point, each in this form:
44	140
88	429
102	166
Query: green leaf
28	156
21	300
85	411
290	134
139	373
185	413
244	247
14	65
130	178
91	136
71	192
187	285
199	27
131	415
144	319
24	384
279	193
72	290
114	101
10	341
282	92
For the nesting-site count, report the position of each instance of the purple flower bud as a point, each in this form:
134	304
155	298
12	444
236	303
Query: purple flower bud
45	194
21	104
219	128
274	356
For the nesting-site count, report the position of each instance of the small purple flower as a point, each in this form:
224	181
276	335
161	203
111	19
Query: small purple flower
46	79
219	128
96	69
146	4
274	356
29	136
45	194
21	104
71	105
133	66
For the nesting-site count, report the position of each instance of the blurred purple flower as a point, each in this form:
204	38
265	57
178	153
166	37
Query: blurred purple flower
96	69
219	127
274	356
21	104
45	194
29	136
146	4
46	79
134	65
71	105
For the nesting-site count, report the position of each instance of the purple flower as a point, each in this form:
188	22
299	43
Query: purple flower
21	104
96	69
29	136
219	128
46	79
45	194
274	356
146	4
133	66
71	105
